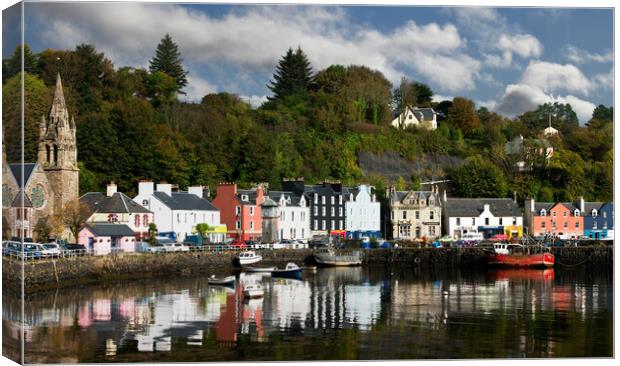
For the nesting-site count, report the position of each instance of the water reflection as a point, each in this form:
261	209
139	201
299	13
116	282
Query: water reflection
370	313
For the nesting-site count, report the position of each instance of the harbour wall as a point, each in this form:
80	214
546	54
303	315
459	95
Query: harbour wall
48	273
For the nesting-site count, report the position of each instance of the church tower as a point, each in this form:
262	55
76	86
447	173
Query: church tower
58	150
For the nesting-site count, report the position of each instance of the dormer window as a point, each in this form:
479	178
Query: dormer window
244	197
577	213
145	203
594	213
351	197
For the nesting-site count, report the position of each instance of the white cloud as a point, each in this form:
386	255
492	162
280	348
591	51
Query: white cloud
552	77
197	88
440	98
580	56
605	81
524	45
520	98
255	37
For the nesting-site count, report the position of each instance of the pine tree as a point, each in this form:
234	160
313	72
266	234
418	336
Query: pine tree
168	60
293	75
13	64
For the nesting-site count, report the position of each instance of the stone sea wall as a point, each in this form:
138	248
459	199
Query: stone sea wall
43	274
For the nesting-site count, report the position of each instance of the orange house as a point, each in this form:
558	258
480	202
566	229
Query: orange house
561	219
240	210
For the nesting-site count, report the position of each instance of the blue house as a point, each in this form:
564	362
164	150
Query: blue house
598	220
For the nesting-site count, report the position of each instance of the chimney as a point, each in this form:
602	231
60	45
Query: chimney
197	190
165	188
582	205
145	188
111	189
531	202
487	207
206	192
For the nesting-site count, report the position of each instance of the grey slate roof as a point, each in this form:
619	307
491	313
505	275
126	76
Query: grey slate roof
250	193
110	229
117	203
473	207
549	205
268	202
400	195
16	170
424	114
185	201
275	195
17	202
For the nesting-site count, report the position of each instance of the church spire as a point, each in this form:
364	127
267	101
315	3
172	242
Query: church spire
59	114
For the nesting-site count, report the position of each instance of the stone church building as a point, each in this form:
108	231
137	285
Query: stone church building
46	185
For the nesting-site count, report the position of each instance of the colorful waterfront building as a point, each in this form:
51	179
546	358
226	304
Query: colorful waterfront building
362	212
178	212
240	210
103	239
414	214
563	220
293	215
488	216
598	220
117	208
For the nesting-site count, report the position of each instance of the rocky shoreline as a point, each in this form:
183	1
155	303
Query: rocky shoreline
66	272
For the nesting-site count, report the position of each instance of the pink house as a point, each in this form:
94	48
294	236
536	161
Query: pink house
102	239
562	219
240	210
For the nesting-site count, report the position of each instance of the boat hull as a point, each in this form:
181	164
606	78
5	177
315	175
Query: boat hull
331	260
227	281
542	260
259	269
293	273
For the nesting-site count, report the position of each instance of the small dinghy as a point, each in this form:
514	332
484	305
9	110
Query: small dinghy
290	271
253	291
259	269
222	281
247	257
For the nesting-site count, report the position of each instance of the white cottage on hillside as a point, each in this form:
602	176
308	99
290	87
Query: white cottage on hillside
294	214
179	212
419	117
362	212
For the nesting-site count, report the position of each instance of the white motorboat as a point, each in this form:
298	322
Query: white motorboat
224	281
253	291
259	269
248	257
332	259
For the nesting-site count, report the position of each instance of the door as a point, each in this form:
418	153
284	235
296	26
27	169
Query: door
90	243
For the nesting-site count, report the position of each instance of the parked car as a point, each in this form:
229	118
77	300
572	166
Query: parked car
74	249
52	250
193	241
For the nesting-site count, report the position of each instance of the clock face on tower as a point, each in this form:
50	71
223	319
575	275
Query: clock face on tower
7	195
38	196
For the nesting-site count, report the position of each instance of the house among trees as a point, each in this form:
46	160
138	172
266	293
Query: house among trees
528	151
414	116
414	214
179	212
50	183
117	208
488	216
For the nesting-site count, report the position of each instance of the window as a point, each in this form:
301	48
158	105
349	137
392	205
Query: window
316	198
543	212
577	225
333	224
604	224
594	213
293	216
238	210
323	199
145	203
555	213
404	215
145	220
417	215
323	225
501	221
576	212
543	224
594	225
458	221
340	199
553	225
473	221
514	221
303	216
564	213
392	215
238	224
251	211
605	214
340	224
136	220
178	217
316	210
486	221
244	197
316	224
431	230
333	200
565	225
323	210
251	225
431	215
333	211
283	216
340	211
303	233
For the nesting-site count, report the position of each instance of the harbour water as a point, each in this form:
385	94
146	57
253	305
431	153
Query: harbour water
333	314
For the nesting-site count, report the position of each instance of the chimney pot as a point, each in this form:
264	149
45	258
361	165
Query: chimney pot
111	189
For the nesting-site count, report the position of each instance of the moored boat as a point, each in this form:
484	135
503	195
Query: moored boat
223	281
518	255
259	269
332	259
290	271
253	291
247	257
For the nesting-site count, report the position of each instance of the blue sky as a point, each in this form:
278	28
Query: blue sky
507	59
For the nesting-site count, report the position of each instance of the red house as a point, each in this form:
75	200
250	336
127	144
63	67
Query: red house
240	210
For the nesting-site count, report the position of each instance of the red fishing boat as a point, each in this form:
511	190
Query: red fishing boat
518	255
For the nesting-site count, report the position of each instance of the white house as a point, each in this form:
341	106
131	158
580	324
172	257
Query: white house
420	117
117	208
294	213
362	212
179	212
489	216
